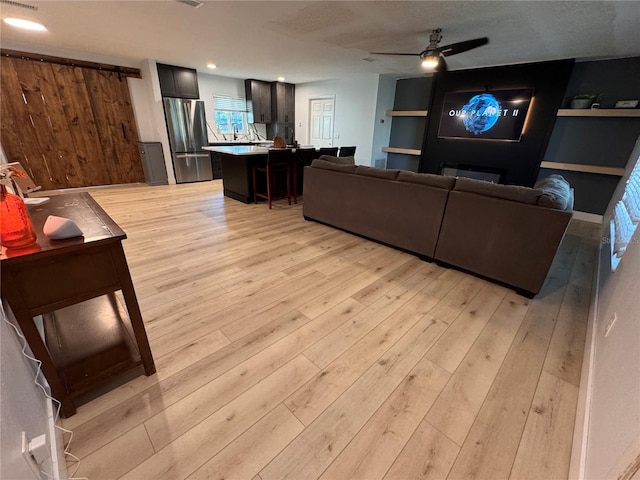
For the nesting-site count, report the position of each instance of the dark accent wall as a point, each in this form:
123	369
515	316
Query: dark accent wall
413	93
408	132
613	80
519	161
602	141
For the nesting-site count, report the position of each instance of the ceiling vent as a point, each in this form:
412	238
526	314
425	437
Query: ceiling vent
19	4
191	3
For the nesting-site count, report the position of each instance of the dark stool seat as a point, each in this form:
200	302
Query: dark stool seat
332	151
277	169
302	158
347	151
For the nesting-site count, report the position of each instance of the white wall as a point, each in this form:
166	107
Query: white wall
613	439
141	101
24	406
355	111
149	111
382	123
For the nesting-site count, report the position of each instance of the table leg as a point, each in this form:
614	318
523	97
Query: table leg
129	294
38	348
294	167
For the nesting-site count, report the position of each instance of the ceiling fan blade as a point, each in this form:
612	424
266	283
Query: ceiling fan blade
460	47
389	53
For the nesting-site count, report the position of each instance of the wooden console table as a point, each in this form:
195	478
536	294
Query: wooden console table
89	336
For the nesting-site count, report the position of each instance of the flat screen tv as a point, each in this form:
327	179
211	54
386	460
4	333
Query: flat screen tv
485	115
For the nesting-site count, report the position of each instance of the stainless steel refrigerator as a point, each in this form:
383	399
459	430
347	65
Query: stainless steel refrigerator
188	134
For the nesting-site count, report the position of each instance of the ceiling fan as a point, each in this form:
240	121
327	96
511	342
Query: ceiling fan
433	55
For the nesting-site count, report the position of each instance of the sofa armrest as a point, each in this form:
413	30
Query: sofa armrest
511	242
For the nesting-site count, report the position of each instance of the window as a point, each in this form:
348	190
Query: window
626	216
231	114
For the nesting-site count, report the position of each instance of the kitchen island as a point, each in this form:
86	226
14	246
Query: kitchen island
237	163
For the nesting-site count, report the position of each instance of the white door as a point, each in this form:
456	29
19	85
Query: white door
321	121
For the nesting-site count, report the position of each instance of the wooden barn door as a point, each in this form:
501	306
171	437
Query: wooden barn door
68	126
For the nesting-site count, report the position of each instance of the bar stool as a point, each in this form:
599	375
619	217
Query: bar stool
347	151
303	158
331	151
278	162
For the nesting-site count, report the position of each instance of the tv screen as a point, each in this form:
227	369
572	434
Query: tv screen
485	115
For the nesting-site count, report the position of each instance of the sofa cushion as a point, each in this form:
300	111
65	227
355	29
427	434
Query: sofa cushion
317	163
514	193
556	192
440	181
377	172
338	160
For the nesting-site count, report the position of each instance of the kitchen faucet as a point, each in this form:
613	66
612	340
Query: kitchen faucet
235	132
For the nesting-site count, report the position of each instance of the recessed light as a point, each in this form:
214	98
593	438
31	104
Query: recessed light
26	24
281	78
211	65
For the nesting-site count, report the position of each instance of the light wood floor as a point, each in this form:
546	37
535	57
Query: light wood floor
289	349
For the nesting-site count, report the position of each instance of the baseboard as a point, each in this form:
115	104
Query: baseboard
578	462
587	217
58	462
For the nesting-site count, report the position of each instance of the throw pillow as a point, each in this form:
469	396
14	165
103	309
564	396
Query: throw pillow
556	192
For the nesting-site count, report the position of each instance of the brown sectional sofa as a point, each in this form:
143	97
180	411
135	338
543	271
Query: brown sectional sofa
506	233
402	214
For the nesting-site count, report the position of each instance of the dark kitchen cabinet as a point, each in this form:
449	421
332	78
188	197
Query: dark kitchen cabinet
167	82
258	95
178	82
283	98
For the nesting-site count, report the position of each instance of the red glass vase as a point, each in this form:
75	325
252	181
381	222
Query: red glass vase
16	230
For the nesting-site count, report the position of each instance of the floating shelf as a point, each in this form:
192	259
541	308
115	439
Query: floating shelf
605	112
404	151
575	167
406	113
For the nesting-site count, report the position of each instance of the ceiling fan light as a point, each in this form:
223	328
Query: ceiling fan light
430	61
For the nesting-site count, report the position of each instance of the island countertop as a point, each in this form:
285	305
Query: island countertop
237	162
224	143
239	150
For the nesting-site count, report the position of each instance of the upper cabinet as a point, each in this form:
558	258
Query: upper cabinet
178	81
283	97
258	95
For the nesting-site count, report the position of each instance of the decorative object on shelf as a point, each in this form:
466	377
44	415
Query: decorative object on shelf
583	100
626	104
59	228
